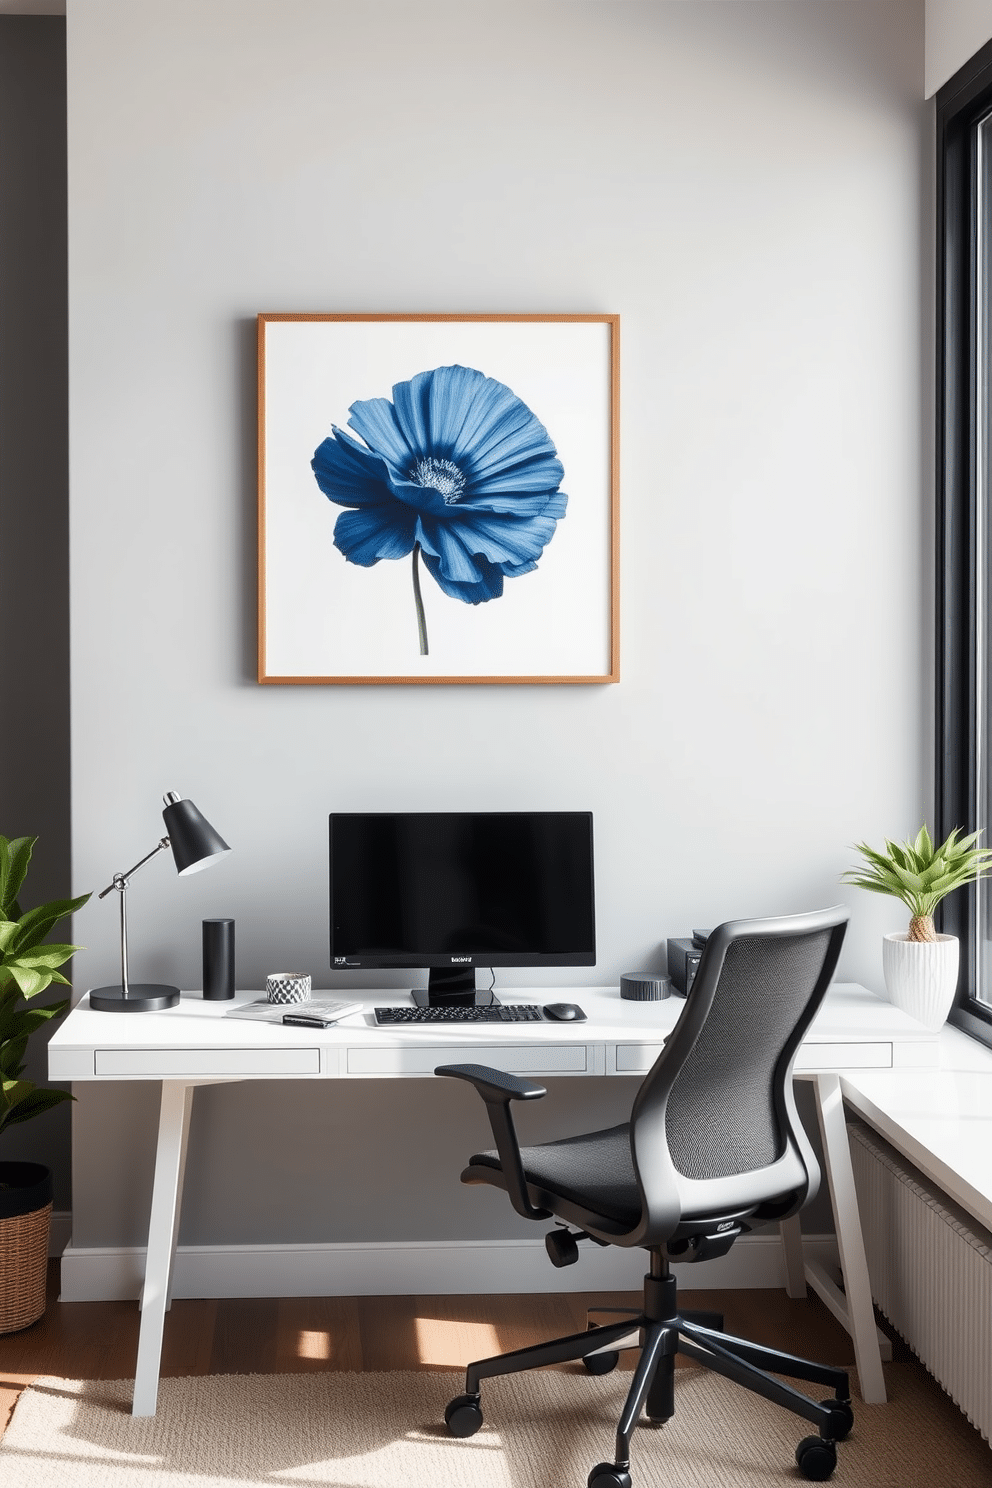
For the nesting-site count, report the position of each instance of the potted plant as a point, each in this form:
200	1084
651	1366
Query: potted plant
920	966
28	966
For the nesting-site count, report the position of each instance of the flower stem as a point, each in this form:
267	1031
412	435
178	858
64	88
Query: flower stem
421	621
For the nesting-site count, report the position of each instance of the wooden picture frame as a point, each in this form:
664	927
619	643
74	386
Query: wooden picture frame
438	499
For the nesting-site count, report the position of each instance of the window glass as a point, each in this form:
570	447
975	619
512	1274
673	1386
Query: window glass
963	534
982	217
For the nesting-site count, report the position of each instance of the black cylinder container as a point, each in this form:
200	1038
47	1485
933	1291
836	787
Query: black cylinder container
218	960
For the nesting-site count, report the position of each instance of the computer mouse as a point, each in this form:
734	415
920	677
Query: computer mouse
564	1012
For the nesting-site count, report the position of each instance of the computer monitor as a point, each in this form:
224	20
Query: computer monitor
453	890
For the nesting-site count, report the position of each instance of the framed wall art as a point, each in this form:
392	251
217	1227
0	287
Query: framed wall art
438	498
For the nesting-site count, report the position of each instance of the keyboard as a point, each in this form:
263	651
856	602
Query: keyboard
521	1012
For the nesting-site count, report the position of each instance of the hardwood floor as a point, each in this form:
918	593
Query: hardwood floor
99	1340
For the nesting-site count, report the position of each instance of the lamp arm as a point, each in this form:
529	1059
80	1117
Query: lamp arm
120	883
121	880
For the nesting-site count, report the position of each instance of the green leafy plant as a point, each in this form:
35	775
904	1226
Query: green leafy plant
27	967
920	874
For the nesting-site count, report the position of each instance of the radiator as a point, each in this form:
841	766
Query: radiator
930	1265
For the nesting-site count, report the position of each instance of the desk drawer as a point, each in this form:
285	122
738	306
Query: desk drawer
844	1056
171	1064
547	1059
636	1059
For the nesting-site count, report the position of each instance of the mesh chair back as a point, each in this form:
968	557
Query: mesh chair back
716	1115
722	1116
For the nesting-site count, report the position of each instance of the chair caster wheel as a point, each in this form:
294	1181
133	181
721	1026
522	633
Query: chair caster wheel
562	1247
603	1363
842	1418
816	1458
606	1475
463	1416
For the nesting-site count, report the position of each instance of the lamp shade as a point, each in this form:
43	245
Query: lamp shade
194	842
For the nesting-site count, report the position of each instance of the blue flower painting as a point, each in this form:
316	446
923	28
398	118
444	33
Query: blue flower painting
456	468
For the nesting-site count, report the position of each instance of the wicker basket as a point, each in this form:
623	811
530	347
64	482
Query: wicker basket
25	1216
23	1268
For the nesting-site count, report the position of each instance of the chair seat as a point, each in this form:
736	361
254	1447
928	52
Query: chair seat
595	1171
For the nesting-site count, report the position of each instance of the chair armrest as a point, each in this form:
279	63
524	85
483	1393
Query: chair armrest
493	1084
498	1089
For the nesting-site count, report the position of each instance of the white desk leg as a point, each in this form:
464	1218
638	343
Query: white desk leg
792	1250
860	1317
183	1148
173	1126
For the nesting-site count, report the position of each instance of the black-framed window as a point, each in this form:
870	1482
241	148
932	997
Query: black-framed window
964	510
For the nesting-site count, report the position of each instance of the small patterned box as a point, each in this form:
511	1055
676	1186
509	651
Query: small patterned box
287	986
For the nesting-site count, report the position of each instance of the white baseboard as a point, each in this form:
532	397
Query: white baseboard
439	1268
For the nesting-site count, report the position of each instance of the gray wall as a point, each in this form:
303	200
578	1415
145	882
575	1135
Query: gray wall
955	31
34	494
743	184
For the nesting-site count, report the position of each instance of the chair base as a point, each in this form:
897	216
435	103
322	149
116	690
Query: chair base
662	1331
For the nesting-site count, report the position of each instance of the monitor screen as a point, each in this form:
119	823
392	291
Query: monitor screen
453	890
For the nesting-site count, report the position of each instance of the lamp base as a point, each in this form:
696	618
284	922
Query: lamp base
142	997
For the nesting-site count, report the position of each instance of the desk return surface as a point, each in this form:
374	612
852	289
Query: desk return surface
854	1029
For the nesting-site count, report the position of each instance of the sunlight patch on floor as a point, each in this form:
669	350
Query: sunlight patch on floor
443	1341
313	1344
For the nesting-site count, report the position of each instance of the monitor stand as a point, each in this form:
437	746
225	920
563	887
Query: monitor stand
450	986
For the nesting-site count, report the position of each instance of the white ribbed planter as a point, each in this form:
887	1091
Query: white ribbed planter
921	976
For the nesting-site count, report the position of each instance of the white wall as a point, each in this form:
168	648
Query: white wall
742	183
955	31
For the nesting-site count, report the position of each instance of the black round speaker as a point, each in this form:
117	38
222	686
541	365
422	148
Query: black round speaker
644	986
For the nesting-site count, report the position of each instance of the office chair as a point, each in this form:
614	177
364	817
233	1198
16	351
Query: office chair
713	1143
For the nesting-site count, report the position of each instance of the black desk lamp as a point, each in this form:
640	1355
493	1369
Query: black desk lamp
195	845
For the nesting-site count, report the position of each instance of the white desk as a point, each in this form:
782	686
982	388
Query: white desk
195	1044
942	1124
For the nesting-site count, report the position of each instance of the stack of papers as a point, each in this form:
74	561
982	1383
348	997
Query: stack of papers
320	1010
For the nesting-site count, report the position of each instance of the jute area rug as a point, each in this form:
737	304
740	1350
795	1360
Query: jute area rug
542	1430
